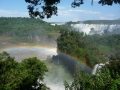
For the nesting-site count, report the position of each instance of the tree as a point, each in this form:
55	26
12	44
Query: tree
49	7
34	69
102	81
26	75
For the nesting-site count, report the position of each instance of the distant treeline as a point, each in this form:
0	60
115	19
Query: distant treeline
101	22
96	22
28	30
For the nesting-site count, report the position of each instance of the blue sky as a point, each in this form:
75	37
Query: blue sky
18	8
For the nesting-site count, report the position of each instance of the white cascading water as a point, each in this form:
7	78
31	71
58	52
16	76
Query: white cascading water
97	68
99	28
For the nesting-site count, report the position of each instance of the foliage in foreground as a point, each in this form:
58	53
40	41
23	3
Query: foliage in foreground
107	80
23	75
50	8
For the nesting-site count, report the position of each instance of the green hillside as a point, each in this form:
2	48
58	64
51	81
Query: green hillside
73	47
27	30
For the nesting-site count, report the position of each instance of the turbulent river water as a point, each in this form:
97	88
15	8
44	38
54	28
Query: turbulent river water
22	50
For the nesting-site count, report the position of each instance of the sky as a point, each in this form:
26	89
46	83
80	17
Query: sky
18	8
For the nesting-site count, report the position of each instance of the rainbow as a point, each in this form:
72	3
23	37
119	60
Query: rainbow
79	62
23	51
50	50
26	47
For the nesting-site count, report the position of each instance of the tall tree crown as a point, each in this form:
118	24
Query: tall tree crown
47	8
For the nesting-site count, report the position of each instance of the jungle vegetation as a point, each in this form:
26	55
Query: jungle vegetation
28	30
25	75
90	49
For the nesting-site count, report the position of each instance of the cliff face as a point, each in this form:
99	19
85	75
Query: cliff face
37	38
97	28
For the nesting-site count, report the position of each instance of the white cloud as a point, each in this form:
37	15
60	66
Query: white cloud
63	15
111	15
85	11
74	15
12	13
105	18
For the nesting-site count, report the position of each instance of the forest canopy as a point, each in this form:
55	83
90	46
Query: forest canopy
84	48
21	75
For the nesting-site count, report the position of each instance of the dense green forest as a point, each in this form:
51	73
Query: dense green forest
74	44
87	49
23	75
90	49
28	30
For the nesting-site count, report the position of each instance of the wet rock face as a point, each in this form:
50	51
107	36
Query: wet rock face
37	38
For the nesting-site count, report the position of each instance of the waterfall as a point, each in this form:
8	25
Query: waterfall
98	28
97	68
